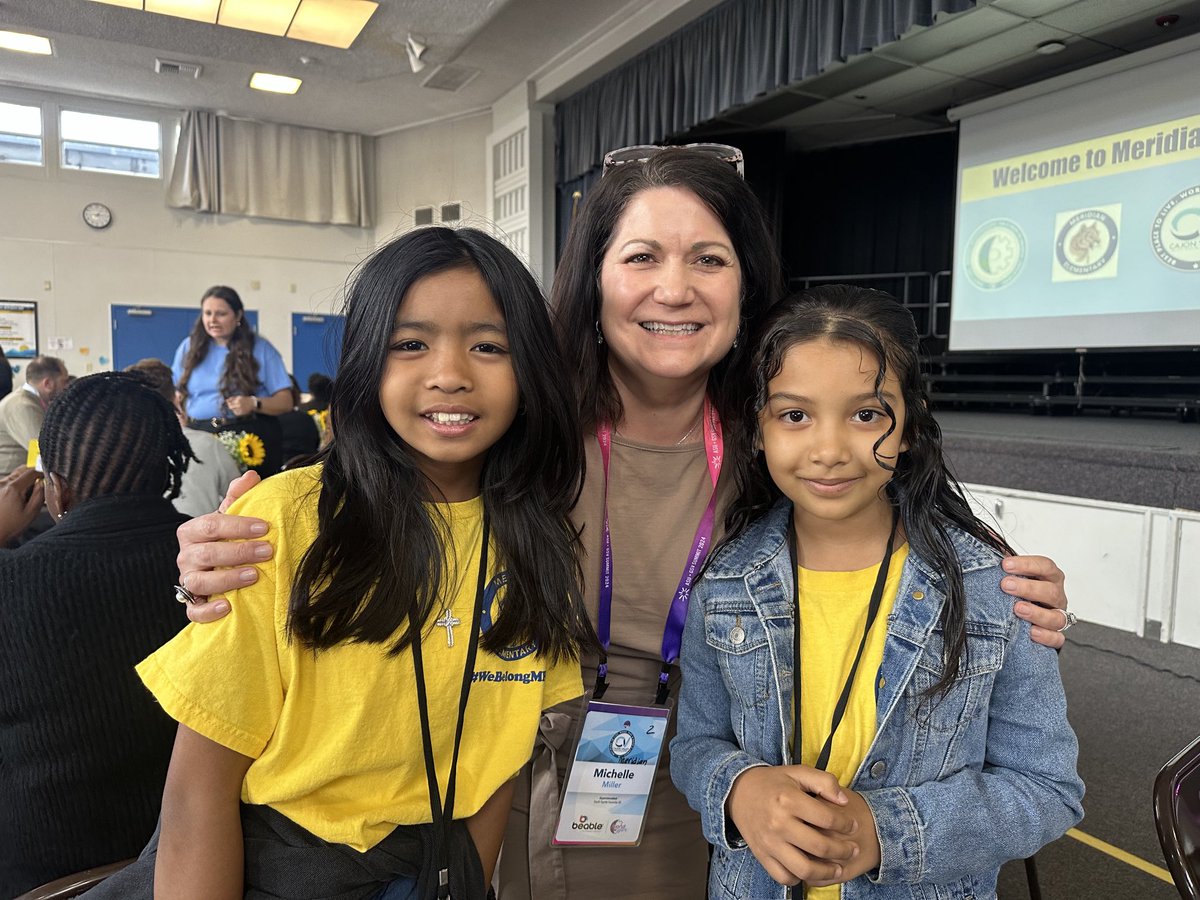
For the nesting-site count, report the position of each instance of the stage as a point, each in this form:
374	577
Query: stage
1146	461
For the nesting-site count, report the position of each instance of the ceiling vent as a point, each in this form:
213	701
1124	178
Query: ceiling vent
423	215
451	212
450	77
171	67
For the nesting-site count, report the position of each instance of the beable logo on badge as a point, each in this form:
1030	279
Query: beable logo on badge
582	824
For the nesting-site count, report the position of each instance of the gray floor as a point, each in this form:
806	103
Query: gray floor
1133	703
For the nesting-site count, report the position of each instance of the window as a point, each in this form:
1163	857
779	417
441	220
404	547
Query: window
98	143
20	134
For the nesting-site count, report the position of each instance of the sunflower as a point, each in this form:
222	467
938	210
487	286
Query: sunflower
251	450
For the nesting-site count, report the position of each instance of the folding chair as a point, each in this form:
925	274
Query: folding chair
74	885
1177	817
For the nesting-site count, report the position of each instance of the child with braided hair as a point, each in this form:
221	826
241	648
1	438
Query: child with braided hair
83	747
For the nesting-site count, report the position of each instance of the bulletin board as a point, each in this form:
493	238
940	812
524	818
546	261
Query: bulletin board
19	328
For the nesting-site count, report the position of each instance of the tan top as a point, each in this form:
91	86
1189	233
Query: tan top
656	498
21	417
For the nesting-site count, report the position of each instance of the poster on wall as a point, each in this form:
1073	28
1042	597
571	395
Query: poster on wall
18	328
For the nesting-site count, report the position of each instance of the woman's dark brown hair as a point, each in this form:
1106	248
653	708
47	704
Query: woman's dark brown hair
240	375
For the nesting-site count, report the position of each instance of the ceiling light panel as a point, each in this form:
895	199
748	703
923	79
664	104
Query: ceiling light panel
263	16
24	43
276	84
196	10
334	23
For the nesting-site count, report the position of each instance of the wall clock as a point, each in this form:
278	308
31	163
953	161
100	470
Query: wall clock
97	215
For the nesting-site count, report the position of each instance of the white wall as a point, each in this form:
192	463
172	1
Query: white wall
150	254
1127	566
442	162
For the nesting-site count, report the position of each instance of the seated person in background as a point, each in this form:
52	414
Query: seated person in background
207	478
83	747
21	412
301	433
320	388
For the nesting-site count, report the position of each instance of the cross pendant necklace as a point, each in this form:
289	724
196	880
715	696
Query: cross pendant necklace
448	621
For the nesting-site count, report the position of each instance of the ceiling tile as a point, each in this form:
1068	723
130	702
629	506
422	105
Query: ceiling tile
1031	8
1088	15
863	70
1016	43
958	31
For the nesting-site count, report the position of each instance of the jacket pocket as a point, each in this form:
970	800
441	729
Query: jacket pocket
967	698
740	640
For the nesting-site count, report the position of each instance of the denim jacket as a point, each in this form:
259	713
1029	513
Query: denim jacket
957	787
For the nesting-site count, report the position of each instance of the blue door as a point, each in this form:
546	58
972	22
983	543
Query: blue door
141	332
316	345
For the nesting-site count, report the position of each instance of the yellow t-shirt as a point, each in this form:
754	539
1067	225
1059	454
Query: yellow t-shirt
336	736
833	613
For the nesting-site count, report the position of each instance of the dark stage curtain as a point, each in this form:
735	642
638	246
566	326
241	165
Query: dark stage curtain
735	52
884	207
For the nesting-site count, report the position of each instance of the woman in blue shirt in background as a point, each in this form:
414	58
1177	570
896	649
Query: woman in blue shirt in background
229	379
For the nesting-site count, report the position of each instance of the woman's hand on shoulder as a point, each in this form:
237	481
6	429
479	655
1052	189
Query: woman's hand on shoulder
794	821
1038	583
218	552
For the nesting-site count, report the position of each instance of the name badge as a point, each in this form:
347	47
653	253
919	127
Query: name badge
607	793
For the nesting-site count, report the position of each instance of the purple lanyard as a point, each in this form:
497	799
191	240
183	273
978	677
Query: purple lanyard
673	632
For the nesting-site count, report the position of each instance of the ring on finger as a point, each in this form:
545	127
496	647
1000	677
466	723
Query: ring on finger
1069	619
183	595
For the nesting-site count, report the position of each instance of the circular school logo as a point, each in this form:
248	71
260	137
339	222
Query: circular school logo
622	743
491	601
1175	233
995	254
1086	242
618	826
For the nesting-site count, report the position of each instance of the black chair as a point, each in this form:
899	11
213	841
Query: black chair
1177	817
74	885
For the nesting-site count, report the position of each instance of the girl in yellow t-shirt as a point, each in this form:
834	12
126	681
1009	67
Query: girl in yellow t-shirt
862	715
350	730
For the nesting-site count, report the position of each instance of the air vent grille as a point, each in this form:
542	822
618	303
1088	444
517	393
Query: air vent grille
451	77
423	215
172	67
451	212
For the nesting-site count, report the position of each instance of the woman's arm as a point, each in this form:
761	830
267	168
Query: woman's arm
487	826
1039	584
200	851
274	405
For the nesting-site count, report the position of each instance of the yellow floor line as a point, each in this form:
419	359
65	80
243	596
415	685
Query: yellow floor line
1123	855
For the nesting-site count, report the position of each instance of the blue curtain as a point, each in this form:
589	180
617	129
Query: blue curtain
735	52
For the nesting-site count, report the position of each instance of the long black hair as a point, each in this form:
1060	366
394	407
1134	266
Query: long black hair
926	494
240	374
377	537
576	294
113	433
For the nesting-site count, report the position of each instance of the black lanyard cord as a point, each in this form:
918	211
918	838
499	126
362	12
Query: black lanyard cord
873	607
443	814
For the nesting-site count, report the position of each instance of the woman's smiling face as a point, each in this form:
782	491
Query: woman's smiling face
670	284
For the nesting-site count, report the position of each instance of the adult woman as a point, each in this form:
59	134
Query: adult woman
226	375
668	263
84	748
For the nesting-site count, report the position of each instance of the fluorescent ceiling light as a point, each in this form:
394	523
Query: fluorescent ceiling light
335	23
24	43
263	16
276	84
196	10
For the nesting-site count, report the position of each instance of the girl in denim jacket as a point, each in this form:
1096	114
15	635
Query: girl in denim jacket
923	740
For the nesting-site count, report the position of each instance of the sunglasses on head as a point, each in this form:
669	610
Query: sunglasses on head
640	153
